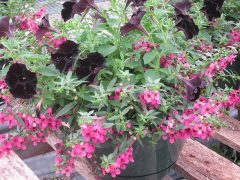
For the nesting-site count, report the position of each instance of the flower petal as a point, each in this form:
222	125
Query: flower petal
186	24
90	66
65	56
44	27
6	29
212	8
22	83
182	7
67	10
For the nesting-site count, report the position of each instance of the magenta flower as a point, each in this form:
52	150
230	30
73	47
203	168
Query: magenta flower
134	23
150	99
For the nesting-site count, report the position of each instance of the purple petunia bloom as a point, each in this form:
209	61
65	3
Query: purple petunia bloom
182	7
134	23
65	56
193	87
90	66
186	24
22	83
212	8
6	28
70	8
183	21
44	27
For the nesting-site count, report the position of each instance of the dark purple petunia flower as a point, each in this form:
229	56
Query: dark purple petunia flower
44	27
183	21
90	66
212	8
134	23
65	56
22	83
6	29
67	10
135	3
182	7
186	24
3	2
193	87
70	8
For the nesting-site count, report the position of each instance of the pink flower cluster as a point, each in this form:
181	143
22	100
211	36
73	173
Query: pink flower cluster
51	40
95	132
3	85
29	23
116	95
39	14
122	161
150	99
193	121
37	138
166	61
66	167
205	47
234	37
219	65
143	45
8	143
8	118
83	150
233	99
42	123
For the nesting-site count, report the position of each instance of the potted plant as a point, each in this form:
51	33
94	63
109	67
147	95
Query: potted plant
119	88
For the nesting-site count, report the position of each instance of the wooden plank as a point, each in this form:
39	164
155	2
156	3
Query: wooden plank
197	162
229	135
13	168
32	151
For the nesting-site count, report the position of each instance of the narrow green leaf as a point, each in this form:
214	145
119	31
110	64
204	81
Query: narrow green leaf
65	109
108	125
149	57
107	50
48	71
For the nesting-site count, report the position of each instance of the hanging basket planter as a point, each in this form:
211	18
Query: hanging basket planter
116	90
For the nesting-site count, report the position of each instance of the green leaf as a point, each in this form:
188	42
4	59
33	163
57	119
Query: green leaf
151	75
65	109
107	50
108	125
49	71
111	84
149	57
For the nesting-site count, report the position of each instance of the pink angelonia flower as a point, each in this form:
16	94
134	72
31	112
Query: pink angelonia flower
150	99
